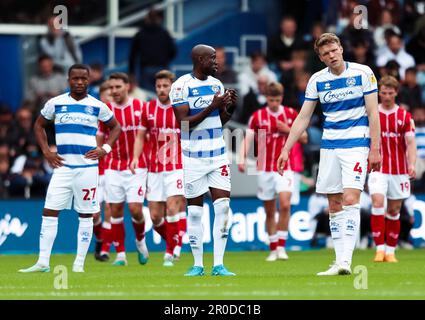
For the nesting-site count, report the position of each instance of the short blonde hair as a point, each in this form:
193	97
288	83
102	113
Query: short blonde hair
389	81
274	89
324	39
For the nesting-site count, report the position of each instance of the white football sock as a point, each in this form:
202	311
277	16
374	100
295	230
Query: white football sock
49	229
350	230
222	223
85	232
336	224
195	231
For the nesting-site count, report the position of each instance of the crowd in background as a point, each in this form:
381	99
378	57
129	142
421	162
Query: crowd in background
391	41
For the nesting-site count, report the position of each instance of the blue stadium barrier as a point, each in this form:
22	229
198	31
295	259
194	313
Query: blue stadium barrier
20	227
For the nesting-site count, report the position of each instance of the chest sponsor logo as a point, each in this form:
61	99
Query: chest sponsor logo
332	96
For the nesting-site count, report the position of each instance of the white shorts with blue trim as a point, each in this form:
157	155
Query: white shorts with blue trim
200	174
340	169
80	184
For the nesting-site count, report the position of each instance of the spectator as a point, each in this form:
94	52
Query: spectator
6	118
386	22
46	84
248	79
416	47
354	34
153	47
362	54
4	169
375	7
224	72
394	50
96	79
60	46
21	132
313	62
392	68
254	99
410	93
136	92
280	46
30	175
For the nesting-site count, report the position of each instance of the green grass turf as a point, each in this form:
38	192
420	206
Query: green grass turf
256	278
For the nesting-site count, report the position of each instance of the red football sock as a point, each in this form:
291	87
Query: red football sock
273	245
172	233
97	230
139	229
106	238
182	229
281	242
392	230
377	223
118	236
161	228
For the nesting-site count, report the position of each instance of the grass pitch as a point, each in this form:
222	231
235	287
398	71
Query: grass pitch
256	279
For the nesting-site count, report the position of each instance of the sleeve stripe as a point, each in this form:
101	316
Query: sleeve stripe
311	99
108	119
179	104
369	92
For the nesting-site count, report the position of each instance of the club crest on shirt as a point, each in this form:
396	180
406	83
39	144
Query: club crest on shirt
137	113
351	82
215	88
89	110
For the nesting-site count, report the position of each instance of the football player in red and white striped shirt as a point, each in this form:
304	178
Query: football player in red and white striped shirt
121	185
269	127
165	171
101	229
398	149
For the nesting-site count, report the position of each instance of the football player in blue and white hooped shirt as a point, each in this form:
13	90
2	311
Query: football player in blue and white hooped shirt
202	106
351	137
75	176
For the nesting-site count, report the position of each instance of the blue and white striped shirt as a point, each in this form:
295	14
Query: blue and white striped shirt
342	98
76	124
206	139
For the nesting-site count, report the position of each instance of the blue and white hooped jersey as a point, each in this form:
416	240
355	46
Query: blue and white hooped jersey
76	124
346	123
206	139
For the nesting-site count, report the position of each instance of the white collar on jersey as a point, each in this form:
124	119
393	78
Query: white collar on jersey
386	111
277	113
337	75
129	102
163	106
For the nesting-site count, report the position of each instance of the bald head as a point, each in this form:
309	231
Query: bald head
204	59
201	50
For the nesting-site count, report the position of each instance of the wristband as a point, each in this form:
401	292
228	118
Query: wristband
106	147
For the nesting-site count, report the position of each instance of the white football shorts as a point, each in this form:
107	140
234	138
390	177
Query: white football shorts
393	186
80	184
270	184
162	185
123	186
101	192
342	168
201	174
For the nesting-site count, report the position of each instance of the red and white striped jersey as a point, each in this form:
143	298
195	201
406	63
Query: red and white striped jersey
102	166
396	124
268	139
128	116
164	137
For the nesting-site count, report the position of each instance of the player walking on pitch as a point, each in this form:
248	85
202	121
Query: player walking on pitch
76	115
398	151
270	126
202	106
120	184
348	95
165	191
